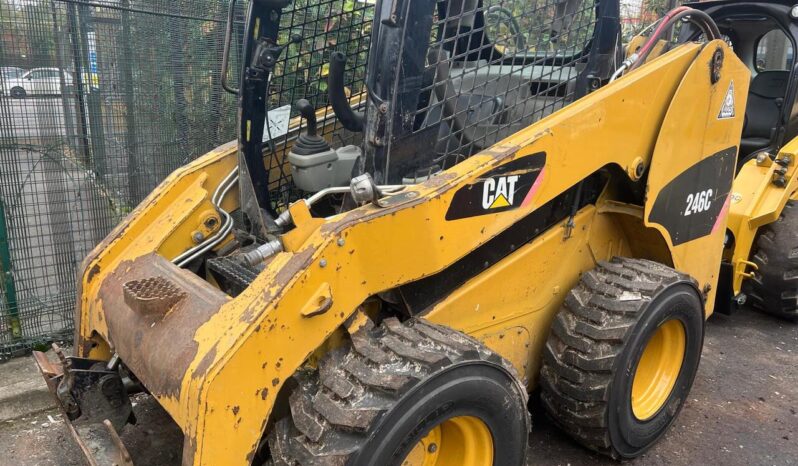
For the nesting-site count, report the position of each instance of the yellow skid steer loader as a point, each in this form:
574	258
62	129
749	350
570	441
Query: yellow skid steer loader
508	205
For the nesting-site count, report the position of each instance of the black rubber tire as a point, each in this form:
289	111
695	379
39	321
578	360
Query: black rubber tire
591	356
774	287
17	92
372	400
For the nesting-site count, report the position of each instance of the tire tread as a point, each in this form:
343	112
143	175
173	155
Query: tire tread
773	288
333	408
587	335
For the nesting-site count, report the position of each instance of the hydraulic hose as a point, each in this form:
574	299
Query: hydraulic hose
218	196
699	18
351	120
661	28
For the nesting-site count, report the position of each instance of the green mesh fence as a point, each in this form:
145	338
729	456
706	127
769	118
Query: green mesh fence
99	101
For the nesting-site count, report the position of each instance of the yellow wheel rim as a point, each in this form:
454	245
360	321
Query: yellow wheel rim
459	441
658	369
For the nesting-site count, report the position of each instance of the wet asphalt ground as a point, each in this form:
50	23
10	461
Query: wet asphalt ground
743	410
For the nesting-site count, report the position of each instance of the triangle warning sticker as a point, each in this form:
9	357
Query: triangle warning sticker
500	201
727	109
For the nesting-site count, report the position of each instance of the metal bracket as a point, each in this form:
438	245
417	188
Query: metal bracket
742	266
94	404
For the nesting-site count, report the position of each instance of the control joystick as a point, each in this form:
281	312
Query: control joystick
309	142
314	164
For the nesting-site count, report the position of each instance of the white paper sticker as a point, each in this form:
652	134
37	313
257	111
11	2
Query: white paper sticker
727	110
277	119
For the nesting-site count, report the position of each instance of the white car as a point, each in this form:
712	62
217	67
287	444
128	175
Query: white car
38	81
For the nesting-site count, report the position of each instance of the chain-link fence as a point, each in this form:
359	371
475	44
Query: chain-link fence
99	101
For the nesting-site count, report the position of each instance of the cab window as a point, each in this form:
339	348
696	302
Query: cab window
774	52
519	27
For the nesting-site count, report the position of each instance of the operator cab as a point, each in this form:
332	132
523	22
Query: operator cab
763	35
475	72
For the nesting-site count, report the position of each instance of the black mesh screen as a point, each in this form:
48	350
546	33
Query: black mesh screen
325	27
496	66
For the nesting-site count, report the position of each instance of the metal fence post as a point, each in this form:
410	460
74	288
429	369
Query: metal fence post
9	287
58	34
96	131
136	183
177	34
80	94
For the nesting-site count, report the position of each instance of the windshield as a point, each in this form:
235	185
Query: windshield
490	69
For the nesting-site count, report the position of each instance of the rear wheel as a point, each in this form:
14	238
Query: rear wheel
622	355
410	394
774	286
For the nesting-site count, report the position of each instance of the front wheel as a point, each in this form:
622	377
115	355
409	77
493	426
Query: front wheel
622	355
18	92
405	394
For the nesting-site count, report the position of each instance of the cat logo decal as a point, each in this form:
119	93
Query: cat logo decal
503	188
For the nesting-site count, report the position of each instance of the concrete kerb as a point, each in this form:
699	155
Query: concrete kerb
22	389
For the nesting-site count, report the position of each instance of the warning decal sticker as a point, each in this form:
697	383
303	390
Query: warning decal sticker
727	109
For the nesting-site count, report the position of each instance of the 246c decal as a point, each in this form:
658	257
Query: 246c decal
699	202
504	188
694	204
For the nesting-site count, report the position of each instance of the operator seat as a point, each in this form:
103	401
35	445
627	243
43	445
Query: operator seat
762	115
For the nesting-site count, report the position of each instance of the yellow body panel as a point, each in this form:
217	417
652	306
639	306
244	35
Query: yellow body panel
682	143
529	297
241	353
756	202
